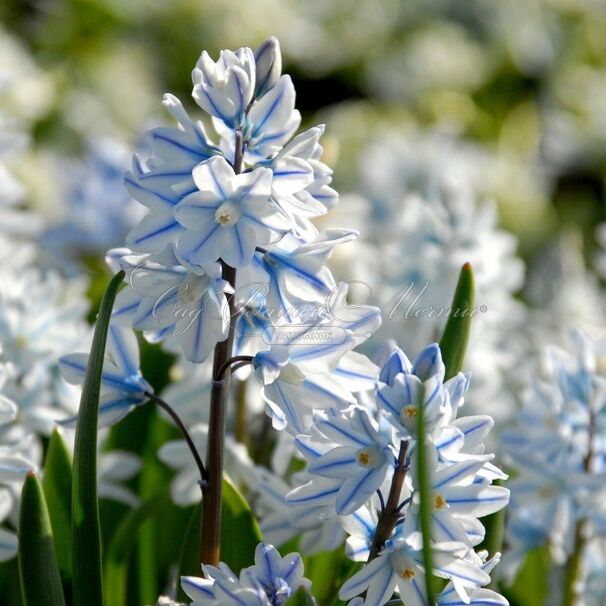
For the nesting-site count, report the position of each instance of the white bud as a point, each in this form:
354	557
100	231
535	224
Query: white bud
268	60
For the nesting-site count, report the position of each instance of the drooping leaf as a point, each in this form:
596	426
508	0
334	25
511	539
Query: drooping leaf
38	568
57	485
456	333
121	547
86	535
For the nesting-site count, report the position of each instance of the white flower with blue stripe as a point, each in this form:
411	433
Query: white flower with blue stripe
161	182
228	216
355	457
172	303
313	366
122	385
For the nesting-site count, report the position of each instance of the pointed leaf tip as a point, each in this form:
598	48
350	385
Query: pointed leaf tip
456	333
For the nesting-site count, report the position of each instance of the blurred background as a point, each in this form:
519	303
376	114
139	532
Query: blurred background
514	91
457	132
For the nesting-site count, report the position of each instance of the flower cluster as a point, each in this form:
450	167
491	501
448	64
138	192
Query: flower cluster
557	450
228	247
359	453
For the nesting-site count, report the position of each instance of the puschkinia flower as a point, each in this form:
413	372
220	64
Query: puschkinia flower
225	88
316	528
269	582
353	454
352	458
14	465
400	566
314	367
122	385
228	216
169	302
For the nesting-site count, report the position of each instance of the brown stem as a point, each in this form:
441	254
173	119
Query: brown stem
234	363
210	536
391	512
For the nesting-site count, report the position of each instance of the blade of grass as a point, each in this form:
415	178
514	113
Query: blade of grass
86	533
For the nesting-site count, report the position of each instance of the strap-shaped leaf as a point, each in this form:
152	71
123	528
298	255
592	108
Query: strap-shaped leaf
57	485
456	333
38	568
86	535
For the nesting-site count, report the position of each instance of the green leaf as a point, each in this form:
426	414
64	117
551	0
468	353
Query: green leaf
38	568
531	586
456	333
57	485
240	534
327	571
10	584
426	500
300	598
86	534
122	545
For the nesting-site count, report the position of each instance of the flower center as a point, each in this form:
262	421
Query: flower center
439	502
192	289
408	417
408	574
227	214
370	457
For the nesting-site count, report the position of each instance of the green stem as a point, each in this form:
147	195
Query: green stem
426	502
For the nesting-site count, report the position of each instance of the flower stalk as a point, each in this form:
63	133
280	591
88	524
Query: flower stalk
184	432
210	534
391	512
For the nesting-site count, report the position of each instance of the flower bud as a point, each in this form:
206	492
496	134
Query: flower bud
268	60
